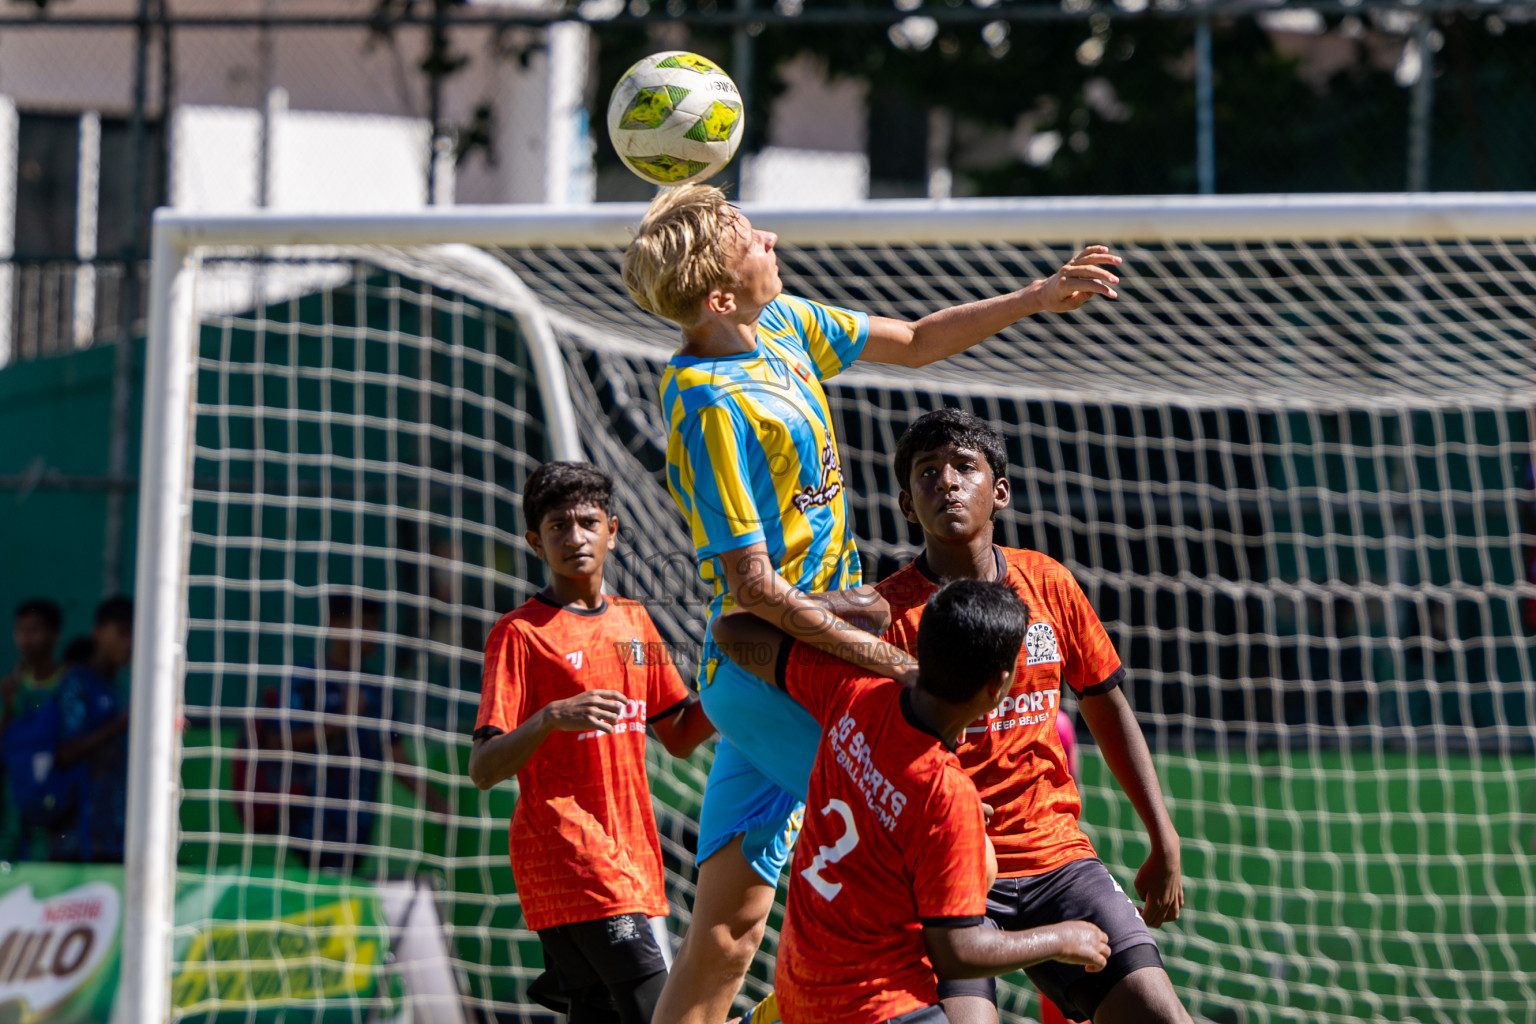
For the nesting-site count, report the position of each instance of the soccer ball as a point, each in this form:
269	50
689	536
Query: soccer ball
675	117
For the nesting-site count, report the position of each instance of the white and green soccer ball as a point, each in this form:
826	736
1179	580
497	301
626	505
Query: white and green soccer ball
675	118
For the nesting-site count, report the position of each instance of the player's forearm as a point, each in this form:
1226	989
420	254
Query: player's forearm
495	760
760	591
986	952
951	331
684	731
779	604
694	727
1113	723
862	607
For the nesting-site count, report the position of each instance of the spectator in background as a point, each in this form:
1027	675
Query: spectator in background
36	634
25	690
93	727
79	651
339	721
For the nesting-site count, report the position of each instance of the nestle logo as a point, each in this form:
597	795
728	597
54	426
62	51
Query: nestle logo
65	911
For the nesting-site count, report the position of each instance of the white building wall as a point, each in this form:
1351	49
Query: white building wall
818	112
539	145
817	136
214	161
360	162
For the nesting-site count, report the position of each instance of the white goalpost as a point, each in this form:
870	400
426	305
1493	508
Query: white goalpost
1291	468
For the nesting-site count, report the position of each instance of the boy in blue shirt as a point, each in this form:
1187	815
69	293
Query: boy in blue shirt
38	622
93	738
342	714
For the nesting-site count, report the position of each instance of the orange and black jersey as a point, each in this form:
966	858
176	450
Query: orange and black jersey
893	840
1015	756
583	839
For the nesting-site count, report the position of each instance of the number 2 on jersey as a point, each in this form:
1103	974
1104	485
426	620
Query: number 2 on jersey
832	854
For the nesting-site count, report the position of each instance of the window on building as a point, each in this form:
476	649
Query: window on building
48	181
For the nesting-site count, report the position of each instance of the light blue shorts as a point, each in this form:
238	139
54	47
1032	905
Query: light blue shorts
756	787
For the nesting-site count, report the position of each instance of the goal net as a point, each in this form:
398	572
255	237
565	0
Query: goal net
1291	467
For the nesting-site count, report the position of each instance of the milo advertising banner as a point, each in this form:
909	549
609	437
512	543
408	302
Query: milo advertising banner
265	946
59	944
252	947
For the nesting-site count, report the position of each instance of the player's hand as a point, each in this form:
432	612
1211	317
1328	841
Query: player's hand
1087	274
1160	883
594	709
905	674
1080	942
866	609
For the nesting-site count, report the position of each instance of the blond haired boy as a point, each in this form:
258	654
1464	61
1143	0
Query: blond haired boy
752	462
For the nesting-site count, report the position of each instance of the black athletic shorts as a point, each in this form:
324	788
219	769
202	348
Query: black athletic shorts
1083	890
927	1015
607	951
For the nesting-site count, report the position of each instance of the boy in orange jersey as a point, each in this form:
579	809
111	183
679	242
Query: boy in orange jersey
572	680
953	474
889	878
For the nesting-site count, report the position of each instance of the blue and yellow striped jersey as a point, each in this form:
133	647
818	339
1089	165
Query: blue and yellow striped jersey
751	453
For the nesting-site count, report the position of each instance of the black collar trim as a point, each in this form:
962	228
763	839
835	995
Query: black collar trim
545	597
921	565
910	714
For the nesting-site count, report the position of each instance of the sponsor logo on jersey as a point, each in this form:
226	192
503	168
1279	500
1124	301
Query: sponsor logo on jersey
639	652
575	659
856	757
1040	644
1016	711
631	719
827	488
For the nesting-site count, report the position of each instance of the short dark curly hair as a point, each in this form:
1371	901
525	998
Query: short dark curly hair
117	611
563	483
42	608
970	631
949	426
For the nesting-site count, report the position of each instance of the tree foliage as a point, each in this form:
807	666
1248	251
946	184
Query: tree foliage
1119	97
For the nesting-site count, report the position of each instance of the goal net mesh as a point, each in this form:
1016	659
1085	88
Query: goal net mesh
1293	478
